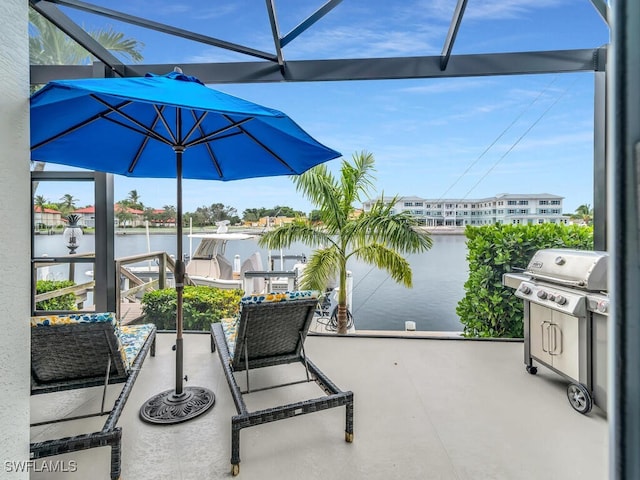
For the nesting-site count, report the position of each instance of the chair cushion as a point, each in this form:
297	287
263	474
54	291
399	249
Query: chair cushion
230	330
131	339
279	297
230	325
46	320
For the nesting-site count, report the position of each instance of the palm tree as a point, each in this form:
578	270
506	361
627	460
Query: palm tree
40	202
377	237
123	214
585	212
134	200
49	45
68	203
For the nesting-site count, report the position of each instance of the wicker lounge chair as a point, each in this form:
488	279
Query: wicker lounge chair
79	351
270	330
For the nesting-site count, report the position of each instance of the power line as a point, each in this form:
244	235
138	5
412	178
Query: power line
520	139
462	175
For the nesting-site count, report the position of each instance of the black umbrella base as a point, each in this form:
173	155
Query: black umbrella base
169	407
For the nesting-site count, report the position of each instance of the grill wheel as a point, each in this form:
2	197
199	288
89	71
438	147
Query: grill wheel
579	398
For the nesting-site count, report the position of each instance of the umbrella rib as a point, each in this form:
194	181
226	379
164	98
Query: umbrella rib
208	137
275	155
164	122
132	120
143	144
196	125
73	128
214	160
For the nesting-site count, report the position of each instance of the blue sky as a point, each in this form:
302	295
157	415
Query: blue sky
452	138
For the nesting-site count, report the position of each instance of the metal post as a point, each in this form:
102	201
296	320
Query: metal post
599	162
623	157
104	294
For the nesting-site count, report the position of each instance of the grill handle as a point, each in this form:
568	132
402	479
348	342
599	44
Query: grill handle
567	283
554	350
546	350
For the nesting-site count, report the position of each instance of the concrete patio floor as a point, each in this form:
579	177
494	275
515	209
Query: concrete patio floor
424	409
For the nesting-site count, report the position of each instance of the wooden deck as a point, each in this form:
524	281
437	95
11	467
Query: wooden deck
130	312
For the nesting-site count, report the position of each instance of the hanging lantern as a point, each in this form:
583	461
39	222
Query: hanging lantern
72	233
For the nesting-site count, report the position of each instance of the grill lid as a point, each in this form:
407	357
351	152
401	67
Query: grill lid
583	269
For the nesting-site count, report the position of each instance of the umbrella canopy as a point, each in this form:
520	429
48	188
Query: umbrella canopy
168	126
130	124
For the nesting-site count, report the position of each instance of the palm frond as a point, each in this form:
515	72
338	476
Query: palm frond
322	267
321	188
116	42
397	230
386	259
357	179
298	231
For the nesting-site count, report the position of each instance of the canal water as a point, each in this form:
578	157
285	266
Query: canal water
378	302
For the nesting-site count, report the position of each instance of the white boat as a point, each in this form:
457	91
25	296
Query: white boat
209	266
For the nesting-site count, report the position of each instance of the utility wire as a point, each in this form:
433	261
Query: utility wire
462	175
519	139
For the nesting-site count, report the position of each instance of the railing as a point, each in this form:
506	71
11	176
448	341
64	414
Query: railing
80	291
130	284
160	267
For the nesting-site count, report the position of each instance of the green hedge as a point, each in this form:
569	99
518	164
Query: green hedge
488	309
202	306
63	302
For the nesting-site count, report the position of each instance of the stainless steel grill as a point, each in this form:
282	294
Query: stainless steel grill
565	320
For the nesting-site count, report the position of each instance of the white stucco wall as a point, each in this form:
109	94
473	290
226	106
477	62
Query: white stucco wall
14	236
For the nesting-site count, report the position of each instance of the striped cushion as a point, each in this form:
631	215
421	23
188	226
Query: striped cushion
131	339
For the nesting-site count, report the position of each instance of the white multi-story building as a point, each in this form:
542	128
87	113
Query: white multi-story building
505	208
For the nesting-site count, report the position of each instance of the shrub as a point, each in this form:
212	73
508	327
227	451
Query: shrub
489	309
63	302
201	307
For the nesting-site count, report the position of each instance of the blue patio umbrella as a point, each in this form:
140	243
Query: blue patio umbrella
167	126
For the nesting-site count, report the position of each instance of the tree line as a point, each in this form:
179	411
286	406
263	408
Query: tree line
127	209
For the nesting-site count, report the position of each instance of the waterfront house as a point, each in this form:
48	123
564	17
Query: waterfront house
87	216
47	218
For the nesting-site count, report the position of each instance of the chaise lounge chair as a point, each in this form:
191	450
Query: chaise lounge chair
79	351
270	330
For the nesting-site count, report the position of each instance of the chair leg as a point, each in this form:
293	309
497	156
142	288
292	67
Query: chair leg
116	455
348	434
235	449
106	384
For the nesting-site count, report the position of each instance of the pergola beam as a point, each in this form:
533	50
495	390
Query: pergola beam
525	63
310	20
453	32
603	9
275	30
79	35
161	27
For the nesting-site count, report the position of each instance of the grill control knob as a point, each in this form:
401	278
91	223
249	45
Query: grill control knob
551	297
602	306
560	300
524	289
542	294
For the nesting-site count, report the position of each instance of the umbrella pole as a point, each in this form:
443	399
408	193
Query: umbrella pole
179	275
180	404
